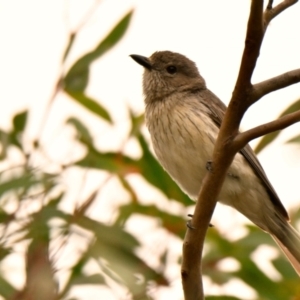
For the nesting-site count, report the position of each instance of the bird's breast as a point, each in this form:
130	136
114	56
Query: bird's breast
183	138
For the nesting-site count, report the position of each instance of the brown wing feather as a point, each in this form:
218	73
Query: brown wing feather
217	109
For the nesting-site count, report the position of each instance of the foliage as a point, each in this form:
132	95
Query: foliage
32	214
269	138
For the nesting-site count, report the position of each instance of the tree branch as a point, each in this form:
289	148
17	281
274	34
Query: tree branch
244	95
276	83
222	157
271	13
254	37
270	4
242	139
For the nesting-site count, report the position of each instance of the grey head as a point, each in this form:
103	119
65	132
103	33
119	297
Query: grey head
167	72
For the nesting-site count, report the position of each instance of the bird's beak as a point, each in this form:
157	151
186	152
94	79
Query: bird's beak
142	60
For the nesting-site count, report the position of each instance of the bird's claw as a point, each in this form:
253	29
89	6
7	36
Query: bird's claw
188	223
209	166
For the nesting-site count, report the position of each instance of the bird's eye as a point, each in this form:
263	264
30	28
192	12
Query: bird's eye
171	69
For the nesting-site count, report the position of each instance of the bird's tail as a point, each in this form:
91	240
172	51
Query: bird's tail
288	240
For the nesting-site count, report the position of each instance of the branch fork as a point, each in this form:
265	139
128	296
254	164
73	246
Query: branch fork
230	141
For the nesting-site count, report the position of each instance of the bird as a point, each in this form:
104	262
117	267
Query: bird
184	117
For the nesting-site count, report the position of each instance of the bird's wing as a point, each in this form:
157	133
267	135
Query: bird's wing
217	109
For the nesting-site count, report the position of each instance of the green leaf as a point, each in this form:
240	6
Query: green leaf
13	137
118	249
136	124
221	298
90	104
147	166
4	142
295	139
269	138
172	223
6	289
77	275
241	250
112	162
19	121
83	133
21	182
90	279
77	77
72	37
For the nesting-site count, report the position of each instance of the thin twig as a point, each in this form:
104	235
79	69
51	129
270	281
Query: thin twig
270	4
58	85
242	139
270	14
276	83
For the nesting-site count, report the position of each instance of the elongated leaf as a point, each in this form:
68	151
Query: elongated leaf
269	138
14	136
112	162
21	182
147	166
136	124
72	37
6	289
77	275
83	133
118	248
221	298
19	121
295	139
77	77
90	104
172	223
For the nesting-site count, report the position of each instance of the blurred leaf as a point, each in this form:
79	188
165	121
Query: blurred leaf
77	77
89	279
112	235
118	248
136	124
13	137
5	217
4	251
248	272
268	138
81	210
6	289
19	121
90	104
4	144
295	139
130	190
174	224
221	298
24	182
72	37
83	133
116	163
78	277
122	165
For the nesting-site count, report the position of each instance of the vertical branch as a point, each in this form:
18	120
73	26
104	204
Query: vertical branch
224	151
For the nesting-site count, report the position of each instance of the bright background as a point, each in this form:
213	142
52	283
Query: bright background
33	35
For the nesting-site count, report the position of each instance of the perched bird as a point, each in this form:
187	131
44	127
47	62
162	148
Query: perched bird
183	118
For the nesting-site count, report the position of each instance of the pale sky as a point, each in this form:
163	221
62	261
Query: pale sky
33	35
